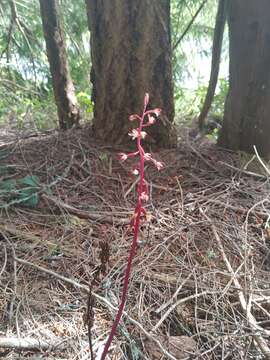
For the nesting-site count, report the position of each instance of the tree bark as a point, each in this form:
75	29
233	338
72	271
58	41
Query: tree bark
64	92
131	55
247	110
216	54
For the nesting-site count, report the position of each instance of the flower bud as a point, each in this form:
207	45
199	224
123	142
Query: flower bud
146	99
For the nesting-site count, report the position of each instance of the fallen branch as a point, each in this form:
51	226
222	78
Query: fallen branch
239	209
104	217
101	300
266	168
11	229
30	343
249	173
5	261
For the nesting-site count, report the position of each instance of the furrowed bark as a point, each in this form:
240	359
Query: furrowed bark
131	55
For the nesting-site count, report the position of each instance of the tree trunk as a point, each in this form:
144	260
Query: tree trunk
131	55
64	92
247	110
216	53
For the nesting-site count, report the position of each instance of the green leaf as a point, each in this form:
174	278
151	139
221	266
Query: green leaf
8	185
31	180
28	197
3	154
32	201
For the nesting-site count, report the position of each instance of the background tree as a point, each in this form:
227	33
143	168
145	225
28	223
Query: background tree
216	53
131	55
64	92
247	110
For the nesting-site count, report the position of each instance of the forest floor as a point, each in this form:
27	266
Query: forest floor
200	285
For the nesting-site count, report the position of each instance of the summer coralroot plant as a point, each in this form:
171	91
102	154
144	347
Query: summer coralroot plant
147	119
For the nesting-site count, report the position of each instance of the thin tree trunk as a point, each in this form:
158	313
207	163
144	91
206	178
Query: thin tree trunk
64	92
216	54
197	13
247	110
131	55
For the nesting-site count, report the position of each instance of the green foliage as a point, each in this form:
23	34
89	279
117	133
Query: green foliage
25	80
85	102
191	80
198	39
220	97
78	40
189	102
24	191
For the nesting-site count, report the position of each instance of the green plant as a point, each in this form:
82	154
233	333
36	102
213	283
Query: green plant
24	191
220	97
85	102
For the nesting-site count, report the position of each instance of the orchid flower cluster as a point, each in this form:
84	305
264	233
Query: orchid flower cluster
137	134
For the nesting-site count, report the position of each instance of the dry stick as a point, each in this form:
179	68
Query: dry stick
262	344
30	343
174	297
102	300
211	166
179	302
249	173
261	161
11	229
106	218
239	209
5	261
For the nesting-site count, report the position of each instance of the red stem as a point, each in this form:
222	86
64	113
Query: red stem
133	245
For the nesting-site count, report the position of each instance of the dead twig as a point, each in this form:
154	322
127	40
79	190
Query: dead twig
249	173
177	303
266	168
5	261
28	343
101	217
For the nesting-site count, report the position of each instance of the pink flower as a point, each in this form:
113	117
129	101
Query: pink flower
134	134
122	156
158	164
143	134
135	172
157	111
151	120
146	99
134	117
147	156
144	196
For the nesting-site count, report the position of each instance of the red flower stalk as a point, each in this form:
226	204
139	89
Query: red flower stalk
142	196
